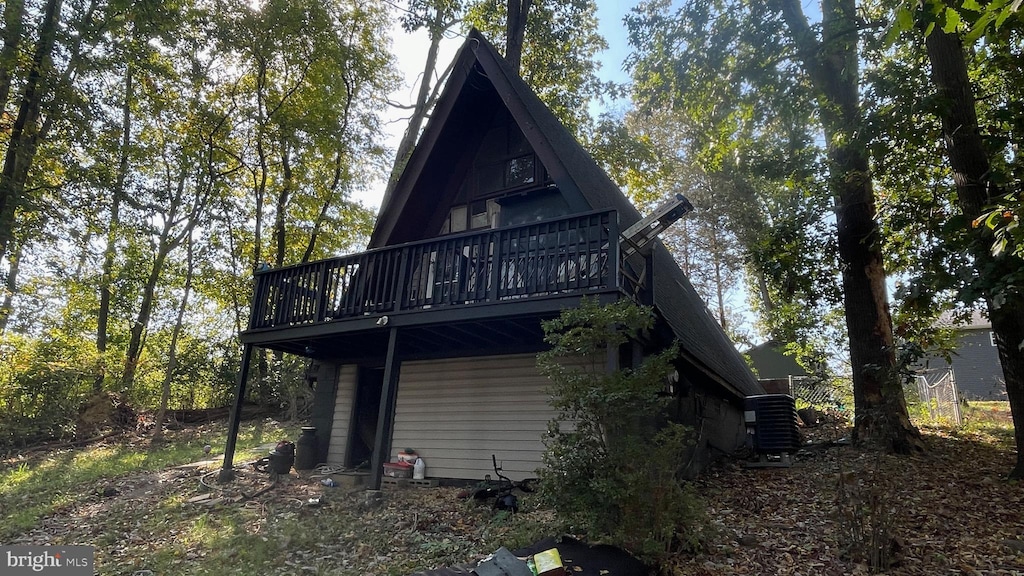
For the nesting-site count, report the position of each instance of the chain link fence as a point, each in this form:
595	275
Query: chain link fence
835	393
932	391
937	392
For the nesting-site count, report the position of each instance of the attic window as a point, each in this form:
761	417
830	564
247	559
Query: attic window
520	171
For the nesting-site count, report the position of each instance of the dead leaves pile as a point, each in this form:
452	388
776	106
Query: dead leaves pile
948	511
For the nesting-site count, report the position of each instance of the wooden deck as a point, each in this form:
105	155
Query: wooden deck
566	257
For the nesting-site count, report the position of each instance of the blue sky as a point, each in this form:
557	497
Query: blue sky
610	14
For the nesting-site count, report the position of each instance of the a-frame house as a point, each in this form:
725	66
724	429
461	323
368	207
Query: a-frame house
428	339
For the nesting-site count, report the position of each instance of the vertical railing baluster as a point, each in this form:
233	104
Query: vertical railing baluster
612	277
373	283
279	298
368	283
495	259
258	309
320	312
359	284
385	275
401	279
383	280
345	288
305	307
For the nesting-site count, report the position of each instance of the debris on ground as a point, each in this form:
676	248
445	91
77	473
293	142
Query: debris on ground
102	413
947	511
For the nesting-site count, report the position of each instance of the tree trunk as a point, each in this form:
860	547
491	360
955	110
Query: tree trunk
24	139
110	250
166	243
260	176
237	263
764	293
14	25
172	352
719	288
515	31
832	64
141	323
975	191
283	197
83	256
10	287
332	193
276	377
420	107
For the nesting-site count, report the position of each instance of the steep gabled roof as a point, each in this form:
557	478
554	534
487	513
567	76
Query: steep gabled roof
771	360
582	182
977	320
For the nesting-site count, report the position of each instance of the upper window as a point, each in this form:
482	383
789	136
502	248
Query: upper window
521	171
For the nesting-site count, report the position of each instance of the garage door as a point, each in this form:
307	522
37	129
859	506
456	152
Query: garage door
457	412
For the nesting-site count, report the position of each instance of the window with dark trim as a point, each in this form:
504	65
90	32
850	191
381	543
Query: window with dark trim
520	171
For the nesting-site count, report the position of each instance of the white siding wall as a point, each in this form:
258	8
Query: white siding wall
343	405
457	412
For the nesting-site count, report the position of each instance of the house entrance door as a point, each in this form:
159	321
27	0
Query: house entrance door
364	417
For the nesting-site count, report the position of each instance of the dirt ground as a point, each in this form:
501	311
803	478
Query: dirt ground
947	511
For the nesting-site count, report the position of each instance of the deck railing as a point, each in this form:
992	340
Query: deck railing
575	254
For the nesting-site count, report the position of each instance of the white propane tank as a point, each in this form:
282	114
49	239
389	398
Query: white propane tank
418	469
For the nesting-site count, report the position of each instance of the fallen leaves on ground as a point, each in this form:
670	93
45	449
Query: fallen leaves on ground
947	511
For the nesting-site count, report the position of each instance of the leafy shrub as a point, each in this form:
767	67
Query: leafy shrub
42	384
612	462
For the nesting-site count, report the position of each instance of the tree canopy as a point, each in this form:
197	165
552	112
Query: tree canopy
155	153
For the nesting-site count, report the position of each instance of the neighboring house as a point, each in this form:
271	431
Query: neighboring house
771	362
779	373
428	340
775	369
974	360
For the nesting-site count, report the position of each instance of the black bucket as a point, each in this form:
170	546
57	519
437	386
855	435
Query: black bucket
282	457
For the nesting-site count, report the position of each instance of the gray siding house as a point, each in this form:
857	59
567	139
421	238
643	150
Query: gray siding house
974	361
428	339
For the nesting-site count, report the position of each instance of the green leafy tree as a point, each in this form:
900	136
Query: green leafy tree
311	79
437	17
613	460
563	32
771	54
981	165
46	47
143	135
764	218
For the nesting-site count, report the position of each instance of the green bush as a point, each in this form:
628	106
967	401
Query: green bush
42	384
613	461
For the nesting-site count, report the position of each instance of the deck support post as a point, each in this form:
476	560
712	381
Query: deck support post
386	415
611	360
227	468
